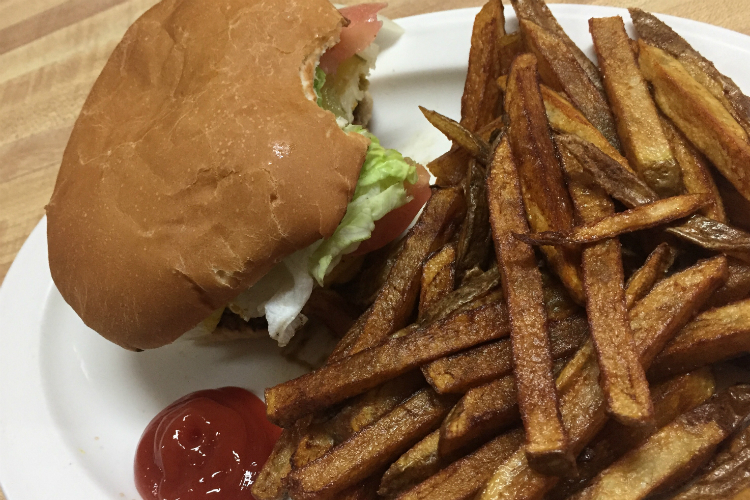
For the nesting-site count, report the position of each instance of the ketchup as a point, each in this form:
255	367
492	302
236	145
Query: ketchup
208	444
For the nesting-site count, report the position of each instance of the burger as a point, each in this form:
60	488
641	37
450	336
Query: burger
220	168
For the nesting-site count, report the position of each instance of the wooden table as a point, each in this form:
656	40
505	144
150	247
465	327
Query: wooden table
52	50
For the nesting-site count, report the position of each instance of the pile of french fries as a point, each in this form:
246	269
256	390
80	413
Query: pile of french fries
566	317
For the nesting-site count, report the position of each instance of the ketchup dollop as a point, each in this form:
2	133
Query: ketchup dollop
207	444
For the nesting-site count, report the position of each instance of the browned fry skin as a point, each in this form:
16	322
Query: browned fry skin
360	372
395	301
545	198
654	269
703	120
509	47
546	441
438	277
459	134
483	364
560	70
714	335
474	246
623	379
635	219
637	120
371	449
270	483
671	398
672	454
726	476
420	462
696	173
537	12
463	478
654	321
736	206
469	294
365	490
736	288
658	34
481	97
564	118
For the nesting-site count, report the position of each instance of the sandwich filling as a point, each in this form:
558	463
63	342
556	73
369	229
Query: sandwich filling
340	86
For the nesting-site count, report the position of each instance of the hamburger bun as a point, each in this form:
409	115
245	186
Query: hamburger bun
199	160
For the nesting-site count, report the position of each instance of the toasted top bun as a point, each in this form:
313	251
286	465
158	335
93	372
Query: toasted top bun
200	159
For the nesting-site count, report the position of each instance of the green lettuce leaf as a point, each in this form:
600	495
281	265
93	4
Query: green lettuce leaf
318	82
380	189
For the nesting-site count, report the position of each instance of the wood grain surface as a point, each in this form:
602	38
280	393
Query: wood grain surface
52	50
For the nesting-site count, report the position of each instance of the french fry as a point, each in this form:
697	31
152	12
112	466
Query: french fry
564	118
736	206
483	364
365	490
420	462
714	335
671	398
460	135
438	277
481	413
371	449
396	299
481	98
658	34
462	479
474	246
638	124
360	372
635	219
546	442
623	380
560	70
547	203
557	301
537	12
703	120
509	47
654	269
696	173
674	452
270	483
737	286
654	321
725	476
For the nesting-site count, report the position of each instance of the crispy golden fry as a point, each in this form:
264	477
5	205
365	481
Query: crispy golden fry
632	192
674	452
469	294
714	335
438	277
623	379
635	219
546	442
460	135
537	12
658	34
696	173
727	475
736	288
480	100
420	462
483	364
463	478
364	288
362	371
638	125
560	70
509	47
654	321
354	416
548	206
699	116
474	246
371	449
365	490
270	483
671	398
395	301
564	118
331	309
644	279
482	412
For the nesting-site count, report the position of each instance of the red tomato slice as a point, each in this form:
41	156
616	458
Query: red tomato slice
362	30
395	222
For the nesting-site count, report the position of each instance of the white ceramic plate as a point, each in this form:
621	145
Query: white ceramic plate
72	405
